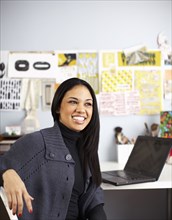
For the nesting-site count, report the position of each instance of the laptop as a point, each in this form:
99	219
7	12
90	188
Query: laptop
144	164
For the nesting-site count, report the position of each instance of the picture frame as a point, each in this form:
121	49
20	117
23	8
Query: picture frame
48	89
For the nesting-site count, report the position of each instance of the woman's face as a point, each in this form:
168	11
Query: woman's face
76	108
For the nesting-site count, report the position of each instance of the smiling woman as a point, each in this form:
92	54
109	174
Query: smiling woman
76	108
61	161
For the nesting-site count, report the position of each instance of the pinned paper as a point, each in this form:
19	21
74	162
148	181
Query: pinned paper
136	55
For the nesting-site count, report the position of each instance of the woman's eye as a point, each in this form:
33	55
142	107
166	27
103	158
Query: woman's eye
88	104
73	102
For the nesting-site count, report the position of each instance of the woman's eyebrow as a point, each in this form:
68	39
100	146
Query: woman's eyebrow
89	100
77	99
72	98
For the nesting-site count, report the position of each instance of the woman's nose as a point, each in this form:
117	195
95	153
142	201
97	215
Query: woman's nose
80	108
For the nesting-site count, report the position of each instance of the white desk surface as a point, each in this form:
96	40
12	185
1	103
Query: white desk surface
164	181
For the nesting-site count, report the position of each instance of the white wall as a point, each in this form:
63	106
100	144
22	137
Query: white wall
46	25
61	25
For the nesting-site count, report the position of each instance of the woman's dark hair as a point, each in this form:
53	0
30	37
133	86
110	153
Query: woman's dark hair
89	141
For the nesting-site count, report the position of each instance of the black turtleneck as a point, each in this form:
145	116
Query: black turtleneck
97	213
70	138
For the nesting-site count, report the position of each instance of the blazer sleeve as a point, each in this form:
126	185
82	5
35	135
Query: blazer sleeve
94	197
23	150
97	213
1	180
97	199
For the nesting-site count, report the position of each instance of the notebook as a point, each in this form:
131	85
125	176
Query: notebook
144	164
5	212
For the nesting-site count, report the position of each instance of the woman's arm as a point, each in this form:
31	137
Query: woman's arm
16	192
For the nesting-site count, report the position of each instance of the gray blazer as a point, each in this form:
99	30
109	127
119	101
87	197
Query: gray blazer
45	165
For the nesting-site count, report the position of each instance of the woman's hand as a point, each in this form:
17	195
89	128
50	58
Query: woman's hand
16	192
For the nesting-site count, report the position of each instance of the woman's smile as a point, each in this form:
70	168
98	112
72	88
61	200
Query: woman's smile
78	119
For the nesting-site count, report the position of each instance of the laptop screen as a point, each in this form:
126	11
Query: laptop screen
149	155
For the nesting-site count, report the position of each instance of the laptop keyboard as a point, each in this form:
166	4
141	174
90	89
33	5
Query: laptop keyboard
126	175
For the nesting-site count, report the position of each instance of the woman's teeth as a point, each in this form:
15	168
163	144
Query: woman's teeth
78	118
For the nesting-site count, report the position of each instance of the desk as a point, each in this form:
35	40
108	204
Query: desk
162	186
5	145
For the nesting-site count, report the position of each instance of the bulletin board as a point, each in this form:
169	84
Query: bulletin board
127	83
133	83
